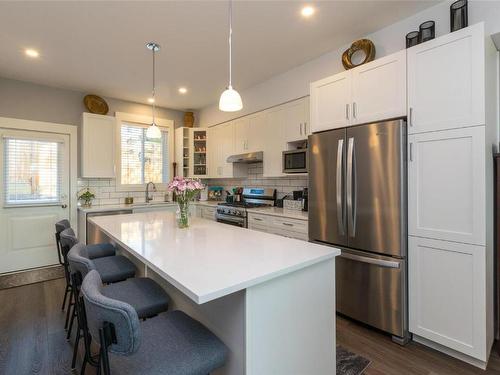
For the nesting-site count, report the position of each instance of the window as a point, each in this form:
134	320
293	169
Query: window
143	159
32	171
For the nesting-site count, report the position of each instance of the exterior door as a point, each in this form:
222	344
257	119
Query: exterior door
376	187
327	210
35	182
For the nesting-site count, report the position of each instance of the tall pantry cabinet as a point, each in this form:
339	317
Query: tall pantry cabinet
452	129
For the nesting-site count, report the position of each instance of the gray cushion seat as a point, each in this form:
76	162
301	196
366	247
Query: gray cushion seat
171	343
143	294
114	269
100	250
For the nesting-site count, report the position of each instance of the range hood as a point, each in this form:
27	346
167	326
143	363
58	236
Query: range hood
249	157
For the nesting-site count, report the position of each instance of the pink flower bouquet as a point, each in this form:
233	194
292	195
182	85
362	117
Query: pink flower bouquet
185	190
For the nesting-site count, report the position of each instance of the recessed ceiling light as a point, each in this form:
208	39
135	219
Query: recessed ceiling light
31	52
151	100
307	11
183	90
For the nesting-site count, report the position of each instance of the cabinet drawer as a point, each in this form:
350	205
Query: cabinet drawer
258	227
288	233
293	225
208	213
258	220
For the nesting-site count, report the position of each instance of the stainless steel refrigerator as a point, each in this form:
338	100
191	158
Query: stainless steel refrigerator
358	202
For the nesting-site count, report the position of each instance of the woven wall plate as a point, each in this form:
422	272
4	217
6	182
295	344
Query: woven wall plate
95	104
364	45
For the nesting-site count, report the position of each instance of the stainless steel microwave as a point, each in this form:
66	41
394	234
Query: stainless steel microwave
295	161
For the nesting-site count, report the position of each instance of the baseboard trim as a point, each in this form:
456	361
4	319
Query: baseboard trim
31	276
452	353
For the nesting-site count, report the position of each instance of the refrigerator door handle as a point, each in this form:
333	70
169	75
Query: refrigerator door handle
349	187
374	261
340	206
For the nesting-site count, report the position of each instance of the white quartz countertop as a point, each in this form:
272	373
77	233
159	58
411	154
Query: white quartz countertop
209	260
281	212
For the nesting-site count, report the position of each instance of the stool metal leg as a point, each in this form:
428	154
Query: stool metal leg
68	312
73	314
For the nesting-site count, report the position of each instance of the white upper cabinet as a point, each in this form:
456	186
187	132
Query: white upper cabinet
97	135
241	133
371	92
379	89
226	140
330	102
274	141
297	120
446	84
446	185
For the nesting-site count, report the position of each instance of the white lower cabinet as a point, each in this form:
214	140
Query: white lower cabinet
205	212
448	296
282	226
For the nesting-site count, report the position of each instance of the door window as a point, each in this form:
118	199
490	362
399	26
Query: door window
32	172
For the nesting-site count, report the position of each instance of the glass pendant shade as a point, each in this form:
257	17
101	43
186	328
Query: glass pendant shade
153	131
230	101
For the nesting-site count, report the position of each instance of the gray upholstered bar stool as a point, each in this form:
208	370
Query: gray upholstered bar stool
171	343
111	268
94	251
143	294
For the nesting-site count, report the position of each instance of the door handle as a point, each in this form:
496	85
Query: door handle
351	188
354	110
411	117
347	111
340	206
64	205
411	151
374	261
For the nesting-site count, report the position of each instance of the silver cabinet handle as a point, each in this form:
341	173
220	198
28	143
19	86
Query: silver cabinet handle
305	128
288	224
351	187
410	120
257	219
347	111
411	151
374	261
64	206
300	128
354	110
340	206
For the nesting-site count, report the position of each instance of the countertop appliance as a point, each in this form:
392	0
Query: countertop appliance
358	202
235	213
295	161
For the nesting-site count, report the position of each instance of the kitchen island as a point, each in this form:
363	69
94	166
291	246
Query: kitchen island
270	299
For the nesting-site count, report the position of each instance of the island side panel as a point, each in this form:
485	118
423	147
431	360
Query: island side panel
225	317
290	323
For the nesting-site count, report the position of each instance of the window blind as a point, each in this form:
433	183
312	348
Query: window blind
142	159
32	171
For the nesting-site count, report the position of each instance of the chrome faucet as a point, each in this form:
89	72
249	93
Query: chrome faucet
148	197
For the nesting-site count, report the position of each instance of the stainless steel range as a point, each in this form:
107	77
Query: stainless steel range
236	213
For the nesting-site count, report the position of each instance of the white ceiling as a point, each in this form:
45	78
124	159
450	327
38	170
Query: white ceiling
99	47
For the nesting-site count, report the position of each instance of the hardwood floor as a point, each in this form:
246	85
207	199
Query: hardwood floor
389	358
32	340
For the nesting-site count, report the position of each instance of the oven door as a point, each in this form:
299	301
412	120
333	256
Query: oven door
295	161
231	220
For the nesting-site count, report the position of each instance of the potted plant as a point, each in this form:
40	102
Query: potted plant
185	190
86	197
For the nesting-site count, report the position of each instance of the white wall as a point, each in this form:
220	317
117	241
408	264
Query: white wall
30	101
294	83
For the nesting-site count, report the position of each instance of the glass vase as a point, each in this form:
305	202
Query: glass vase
183	214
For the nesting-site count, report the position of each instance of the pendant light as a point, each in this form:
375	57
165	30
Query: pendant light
153	131
230	100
